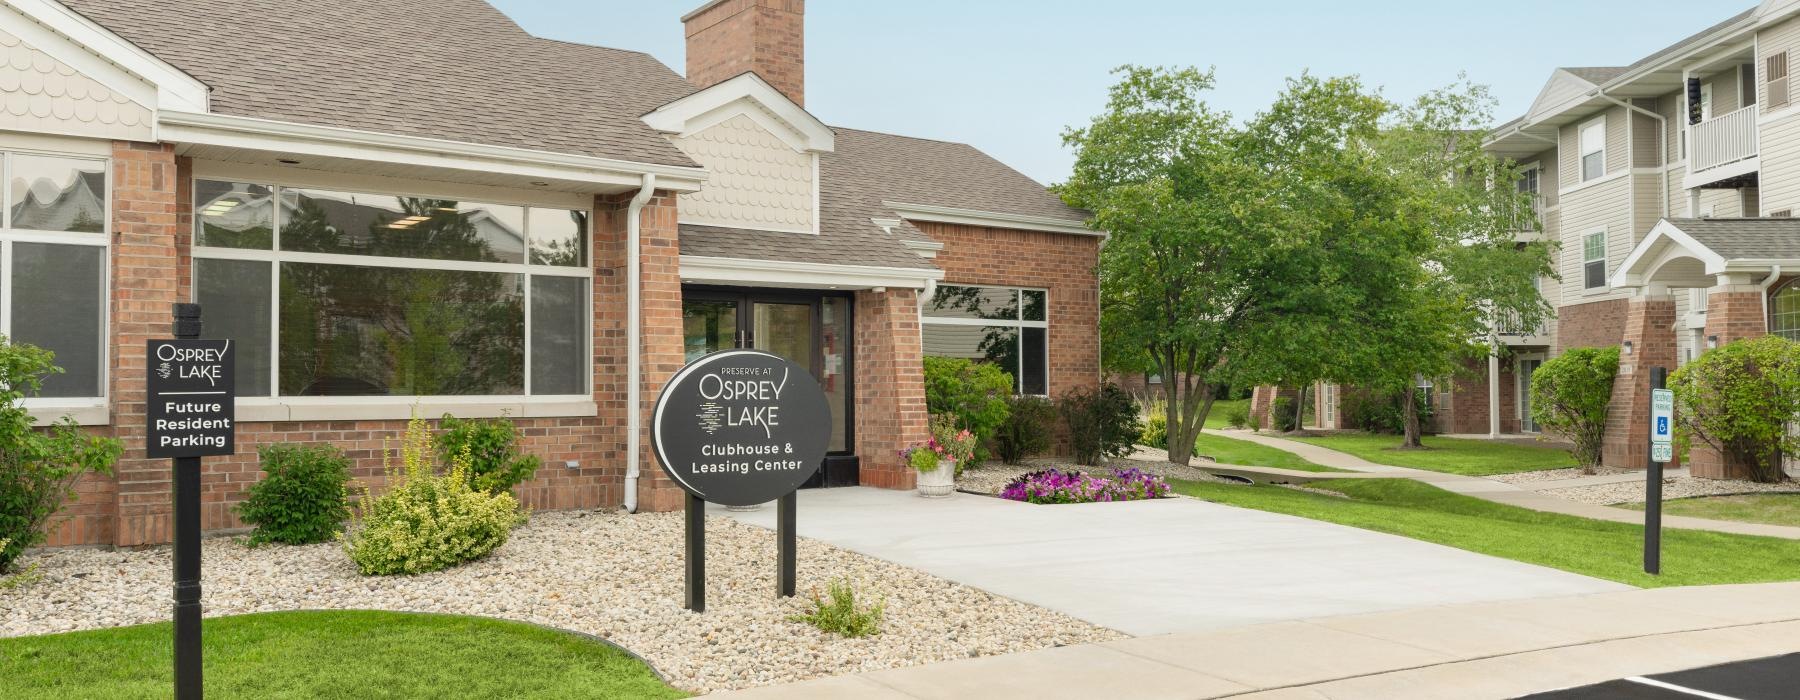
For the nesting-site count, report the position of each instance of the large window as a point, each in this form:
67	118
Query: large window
1002	325
53	266
1593	260
332	293
1593	150
1784	311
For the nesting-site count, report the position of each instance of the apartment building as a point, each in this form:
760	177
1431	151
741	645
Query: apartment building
1669	184
469	219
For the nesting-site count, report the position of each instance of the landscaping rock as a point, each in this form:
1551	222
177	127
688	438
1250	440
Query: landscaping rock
1673	488
610	575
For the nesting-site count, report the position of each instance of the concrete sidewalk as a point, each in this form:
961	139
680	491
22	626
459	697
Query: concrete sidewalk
1489	489
1484	650
1168	565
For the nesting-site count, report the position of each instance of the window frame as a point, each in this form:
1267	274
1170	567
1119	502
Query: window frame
274	257
1019	323
1581	151
1587	262
1790	286
86	410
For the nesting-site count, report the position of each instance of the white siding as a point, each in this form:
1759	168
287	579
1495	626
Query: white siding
758	182
1780	153
1585	211
1617	145
41	94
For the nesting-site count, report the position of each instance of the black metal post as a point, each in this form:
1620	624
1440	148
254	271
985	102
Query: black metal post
696	553
188	680
1659	377
785	542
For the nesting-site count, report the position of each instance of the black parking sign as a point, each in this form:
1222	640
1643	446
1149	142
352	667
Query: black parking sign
191	410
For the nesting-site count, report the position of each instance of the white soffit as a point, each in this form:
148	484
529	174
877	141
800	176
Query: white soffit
102	55
786	273
748	95
1649	255
973	217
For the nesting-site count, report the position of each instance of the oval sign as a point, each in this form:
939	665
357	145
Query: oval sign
741	427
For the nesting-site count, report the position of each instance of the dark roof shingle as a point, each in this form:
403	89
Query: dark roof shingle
457	70
1741	239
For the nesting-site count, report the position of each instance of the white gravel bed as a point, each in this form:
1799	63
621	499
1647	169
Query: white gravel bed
1682	487
610	575
1555	475
992	477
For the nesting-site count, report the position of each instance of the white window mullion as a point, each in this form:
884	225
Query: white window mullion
526	279
6	288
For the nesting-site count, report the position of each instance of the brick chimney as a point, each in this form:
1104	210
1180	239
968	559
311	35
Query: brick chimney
726	38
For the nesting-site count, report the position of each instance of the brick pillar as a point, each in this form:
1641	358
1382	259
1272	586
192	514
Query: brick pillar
1650	328
1262	399
659	254
144	284
890	386
1733	312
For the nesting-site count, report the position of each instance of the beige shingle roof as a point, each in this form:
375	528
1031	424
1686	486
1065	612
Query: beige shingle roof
448	69
1745	239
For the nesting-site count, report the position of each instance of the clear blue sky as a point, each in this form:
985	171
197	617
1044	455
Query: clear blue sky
1008	76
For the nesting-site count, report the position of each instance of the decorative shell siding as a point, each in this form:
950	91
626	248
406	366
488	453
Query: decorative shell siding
45	95
758	181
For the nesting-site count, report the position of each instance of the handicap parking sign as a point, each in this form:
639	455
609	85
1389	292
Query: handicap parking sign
1662	416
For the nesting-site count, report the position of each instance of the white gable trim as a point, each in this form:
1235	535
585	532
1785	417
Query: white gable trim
1557	91
746	94
787	273
1647	256
102	55
973	217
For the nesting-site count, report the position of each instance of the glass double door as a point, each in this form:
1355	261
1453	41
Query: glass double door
810	329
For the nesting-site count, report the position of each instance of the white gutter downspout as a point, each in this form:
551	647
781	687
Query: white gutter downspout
634	322
1774	274
1662	144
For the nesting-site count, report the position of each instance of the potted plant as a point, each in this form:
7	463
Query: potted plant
952	446
936	480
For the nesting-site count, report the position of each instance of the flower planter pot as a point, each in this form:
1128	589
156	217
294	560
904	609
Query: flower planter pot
939	482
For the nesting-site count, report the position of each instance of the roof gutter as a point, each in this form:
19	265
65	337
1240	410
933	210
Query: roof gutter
634	322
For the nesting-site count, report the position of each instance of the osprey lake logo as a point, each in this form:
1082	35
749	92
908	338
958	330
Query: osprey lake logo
712	417
164	370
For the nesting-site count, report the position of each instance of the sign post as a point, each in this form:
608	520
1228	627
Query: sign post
190	413
1662	451
740	428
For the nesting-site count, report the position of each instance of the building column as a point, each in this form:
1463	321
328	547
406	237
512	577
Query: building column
145	271
1262	402
890	386
1734	311
659	254
1650	333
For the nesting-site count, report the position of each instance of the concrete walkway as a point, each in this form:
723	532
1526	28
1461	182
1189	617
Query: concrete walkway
1474	651
1154	567
1489	489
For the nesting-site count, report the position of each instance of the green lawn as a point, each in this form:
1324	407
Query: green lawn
1449	455
331	655
1596	548
1249	454
1215	418
1770	508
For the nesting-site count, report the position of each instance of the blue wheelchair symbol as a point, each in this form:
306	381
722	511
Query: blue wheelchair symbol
1662	425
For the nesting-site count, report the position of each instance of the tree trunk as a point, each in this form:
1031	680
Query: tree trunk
1300	409
1410	396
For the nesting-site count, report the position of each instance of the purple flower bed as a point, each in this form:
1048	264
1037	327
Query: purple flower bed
1055	486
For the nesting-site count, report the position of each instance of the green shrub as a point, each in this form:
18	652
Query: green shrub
427	521
1156	431
840	614
1569	396
1028	429
303	497
1237	416
38	467
495	464
1380	410
1281	414
1102	422
975	392
1740	399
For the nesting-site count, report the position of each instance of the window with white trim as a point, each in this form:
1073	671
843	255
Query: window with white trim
1593	150
331	293
1593	260
1784	311
1006	326
53	267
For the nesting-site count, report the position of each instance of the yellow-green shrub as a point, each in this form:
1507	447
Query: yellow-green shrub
427	521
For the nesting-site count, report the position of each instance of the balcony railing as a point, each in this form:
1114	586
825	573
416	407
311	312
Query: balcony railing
1722	140
1507	323
1529	218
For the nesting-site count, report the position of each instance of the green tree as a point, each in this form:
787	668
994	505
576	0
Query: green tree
1741	398
1570	395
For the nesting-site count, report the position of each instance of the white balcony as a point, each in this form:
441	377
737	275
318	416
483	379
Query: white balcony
1723	140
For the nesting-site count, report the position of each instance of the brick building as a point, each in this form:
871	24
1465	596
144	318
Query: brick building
477	221
1670	186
